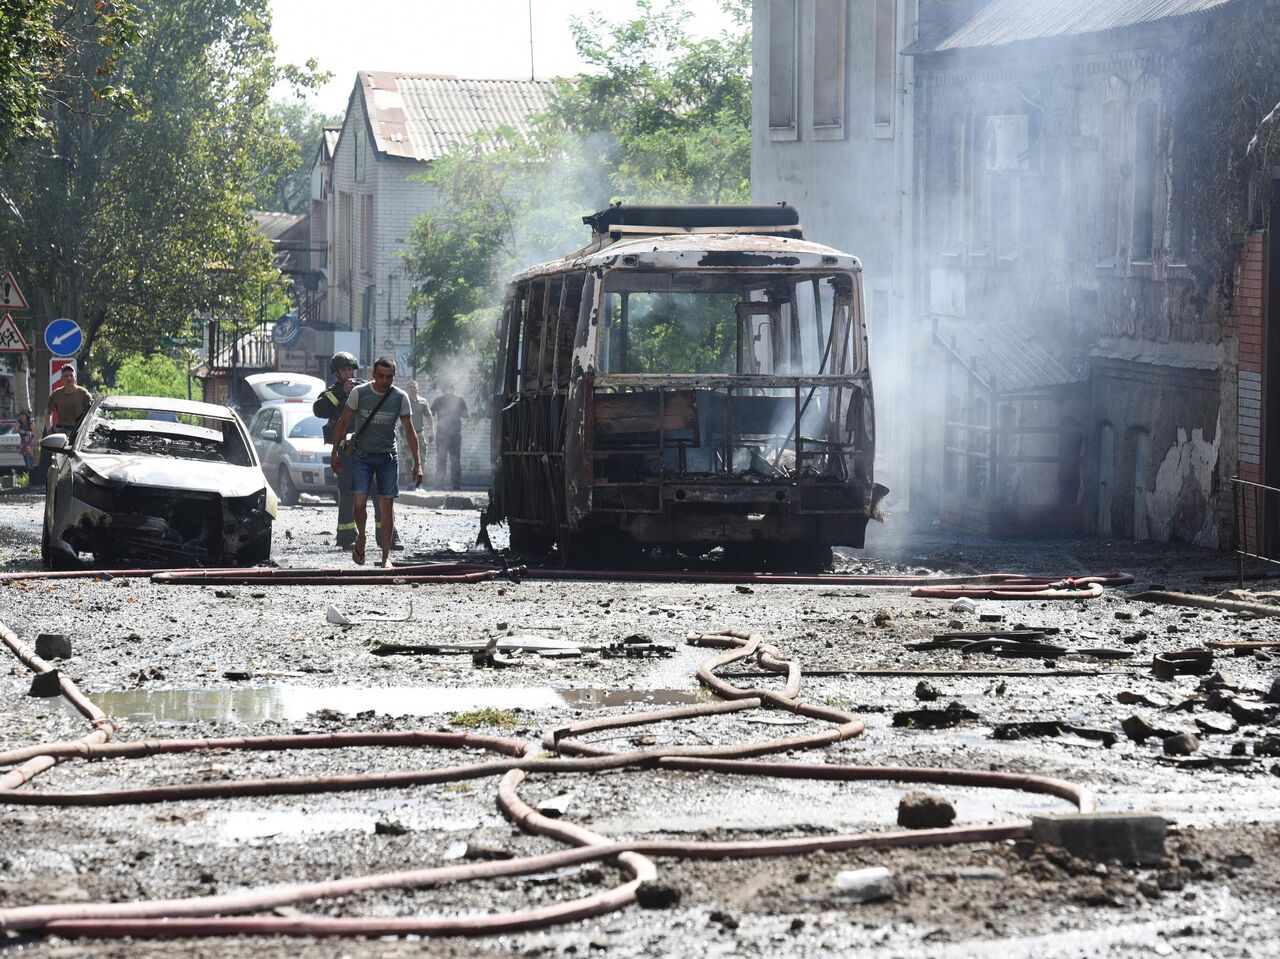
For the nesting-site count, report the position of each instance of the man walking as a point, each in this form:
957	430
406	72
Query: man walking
68	402
449	410
374	409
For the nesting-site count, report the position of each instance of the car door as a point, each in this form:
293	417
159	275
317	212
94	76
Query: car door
265	434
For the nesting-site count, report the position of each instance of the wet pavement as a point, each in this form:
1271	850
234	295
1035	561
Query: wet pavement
194	661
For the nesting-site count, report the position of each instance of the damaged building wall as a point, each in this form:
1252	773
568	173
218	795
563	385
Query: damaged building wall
1068	184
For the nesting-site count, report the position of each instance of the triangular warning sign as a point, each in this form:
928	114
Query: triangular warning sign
11	297
11	340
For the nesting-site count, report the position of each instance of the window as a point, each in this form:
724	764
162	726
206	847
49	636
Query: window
357	156
1144	182
886	66
782	68
366	233
828	68
1006	223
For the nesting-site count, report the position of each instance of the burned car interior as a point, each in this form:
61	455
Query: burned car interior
694	377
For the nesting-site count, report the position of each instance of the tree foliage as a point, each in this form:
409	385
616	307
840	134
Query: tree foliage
153	375
45	51
285	185
661	117
132	216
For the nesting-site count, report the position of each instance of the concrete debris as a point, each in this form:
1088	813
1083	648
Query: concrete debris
390	827
1129	698
744	589
556	806
964	605
920	810
953	715
884	619
53	646
1139	730
1216	725
1273	695
336	617
872	884
651	894
1267	746
46	685
1251	712
927	693
1183	744
1134	839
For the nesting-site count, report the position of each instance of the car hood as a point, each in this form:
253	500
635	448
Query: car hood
195	476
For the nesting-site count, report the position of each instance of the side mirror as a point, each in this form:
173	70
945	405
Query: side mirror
271	436
55	443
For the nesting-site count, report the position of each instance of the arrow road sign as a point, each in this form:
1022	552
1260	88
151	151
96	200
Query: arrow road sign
11	340
11	297
63	337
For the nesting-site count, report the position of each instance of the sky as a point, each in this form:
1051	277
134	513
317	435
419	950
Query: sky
466	38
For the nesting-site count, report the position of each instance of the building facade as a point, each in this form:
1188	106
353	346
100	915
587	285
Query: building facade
1079	245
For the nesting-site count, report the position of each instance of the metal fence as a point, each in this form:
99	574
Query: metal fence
1257	523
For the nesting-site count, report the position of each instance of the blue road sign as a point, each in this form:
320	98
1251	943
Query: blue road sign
63	337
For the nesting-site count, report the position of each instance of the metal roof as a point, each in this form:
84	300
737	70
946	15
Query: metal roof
1015	21
1008	358
423	116
275	225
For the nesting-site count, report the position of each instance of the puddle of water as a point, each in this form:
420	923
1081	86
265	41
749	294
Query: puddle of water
262	703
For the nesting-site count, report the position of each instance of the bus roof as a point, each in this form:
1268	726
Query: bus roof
706	251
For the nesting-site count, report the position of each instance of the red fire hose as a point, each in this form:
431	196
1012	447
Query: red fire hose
217	915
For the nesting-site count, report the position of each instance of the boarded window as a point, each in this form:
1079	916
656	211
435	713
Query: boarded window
366	233
828	62
344	237
1144	181
782	64
886	63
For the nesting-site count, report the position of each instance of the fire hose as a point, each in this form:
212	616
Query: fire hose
993	586
221	915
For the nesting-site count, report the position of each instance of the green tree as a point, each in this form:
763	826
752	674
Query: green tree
132	217
285	186
42	46
154	375
661	117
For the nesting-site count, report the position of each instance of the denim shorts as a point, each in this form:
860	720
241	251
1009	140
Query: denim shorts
366	467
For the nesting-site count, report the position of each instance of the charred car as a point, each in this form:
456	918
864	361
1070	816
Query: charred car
150	481
695	377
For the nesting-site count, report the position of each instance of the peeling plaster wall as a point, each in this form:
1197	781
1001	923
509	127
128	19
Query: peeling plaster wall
1180	504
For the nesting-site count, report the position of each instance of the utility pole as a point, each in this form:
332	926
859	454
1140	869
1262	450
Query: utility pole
531	74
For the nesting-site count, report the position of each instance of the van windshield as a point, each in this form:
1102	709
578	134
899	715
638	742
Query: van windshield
709	323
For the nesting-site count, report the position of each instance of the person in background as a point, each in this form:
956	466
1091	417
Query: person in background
67	404
450	410
27	439
329	408
424	425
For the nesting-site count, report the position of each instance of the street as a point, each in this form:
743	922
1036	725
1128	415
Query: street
184	661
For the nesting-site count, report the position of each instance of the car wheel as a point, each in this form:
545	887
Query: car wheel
285	488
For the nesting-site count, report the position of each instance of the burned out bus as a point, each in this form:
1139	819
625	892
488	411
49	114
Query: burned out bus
695	377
